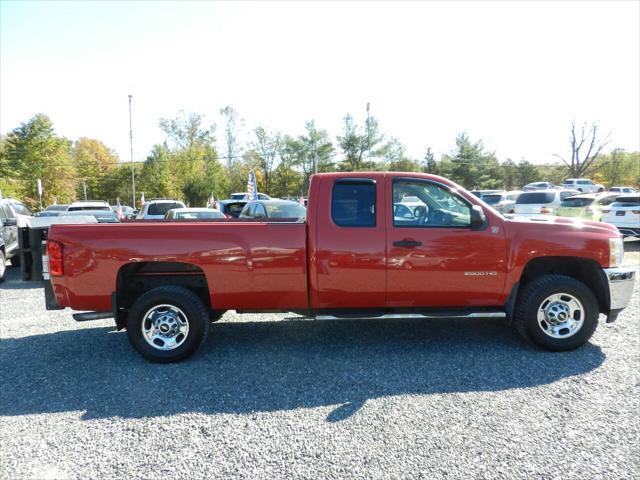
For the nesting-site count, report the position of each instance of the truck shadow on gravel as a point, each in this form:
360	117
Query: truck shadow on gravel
271	366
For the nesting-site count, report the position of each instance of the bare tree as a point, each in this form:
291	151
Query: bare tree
586	145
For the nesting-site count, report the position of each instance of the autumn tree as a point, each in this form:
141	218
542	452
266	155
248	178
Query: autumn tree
92	160
33	151
193	158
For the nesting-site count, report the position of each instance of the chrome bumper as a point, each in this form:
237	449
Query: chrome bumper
620	286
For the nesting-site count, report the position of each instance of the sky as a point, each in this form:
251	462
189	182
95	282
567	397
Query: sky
514	74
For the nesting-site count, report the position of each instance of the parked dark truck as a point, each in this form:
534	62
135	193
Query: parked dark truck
373	245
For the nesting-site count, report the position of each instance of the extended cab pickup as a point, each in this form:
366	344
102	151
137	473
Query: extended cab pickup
373	245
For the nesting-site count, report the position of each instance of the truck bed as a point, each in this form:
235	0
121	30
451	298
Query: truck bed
247	265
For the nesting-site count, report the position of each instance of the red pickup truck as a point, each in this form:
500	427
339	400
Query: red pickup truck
373	245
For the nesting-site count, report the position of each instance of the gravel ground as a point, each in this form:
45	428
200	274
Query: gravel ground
271	396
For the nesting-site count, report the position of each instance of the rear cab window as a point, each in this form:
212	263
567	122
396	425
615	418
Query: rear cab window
353	202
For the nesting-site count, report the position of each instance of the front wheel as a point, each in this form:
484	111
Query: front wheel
167	324
556	312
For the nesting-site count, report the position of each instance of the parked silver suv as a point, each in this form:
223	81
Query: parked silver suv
156	209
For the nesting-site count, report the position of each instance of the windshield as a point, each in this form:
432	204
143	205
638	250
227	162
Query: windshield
56	208
20	208
492	199
233	209
161	208
576	202
535	197
284	210
629	201
90	207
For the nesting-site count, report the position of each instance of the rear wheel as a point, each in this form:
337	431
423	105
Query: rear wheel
556	312
167	324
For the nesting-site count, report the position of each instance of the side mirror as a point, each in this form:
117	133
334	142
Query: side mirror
10	222
478	218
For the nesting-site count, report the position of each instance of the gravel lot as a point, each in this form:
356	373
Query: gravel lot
270	396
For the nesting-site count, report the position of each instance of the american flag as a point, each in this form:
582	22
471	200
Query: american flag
252	186
119	212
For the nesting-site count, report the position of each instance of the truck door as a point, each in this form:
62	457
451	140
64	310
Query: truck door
434	257
350	244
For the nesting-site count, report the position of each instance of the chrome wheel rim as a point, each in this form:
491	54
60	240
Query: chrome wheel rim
165	327
3	265
560	315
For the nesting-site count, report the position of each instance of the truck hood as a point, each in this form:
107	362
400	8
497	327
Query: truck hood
564	224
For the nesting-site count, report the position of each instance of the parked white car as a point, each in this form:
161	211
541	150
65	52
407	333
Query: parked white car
541	202
624	190
624	213
193	214
89	205
157	209
583	185
502	201
245	196
538	186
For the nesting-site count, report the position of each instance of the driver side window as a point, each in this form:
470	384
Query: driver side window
428	205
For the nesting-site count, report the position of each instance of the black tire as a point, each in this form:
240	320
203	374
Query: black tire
531	299
3	266
216	315
195	312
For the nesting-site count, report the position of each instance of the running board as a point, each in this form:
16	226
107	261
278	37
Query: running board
88	316
387	316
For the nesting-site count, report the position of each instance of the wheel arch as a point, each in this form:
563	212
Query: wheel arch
136	278
584	270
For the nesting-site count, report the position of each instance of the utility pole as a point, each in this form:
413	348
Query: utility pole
84	187
133	171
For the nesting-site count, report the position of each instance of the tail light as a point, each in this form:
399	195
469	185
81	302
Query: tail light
55	253
637	212
546	211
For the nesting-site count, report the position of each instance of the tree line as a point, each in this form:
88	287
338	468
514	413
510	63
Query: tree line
191	163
